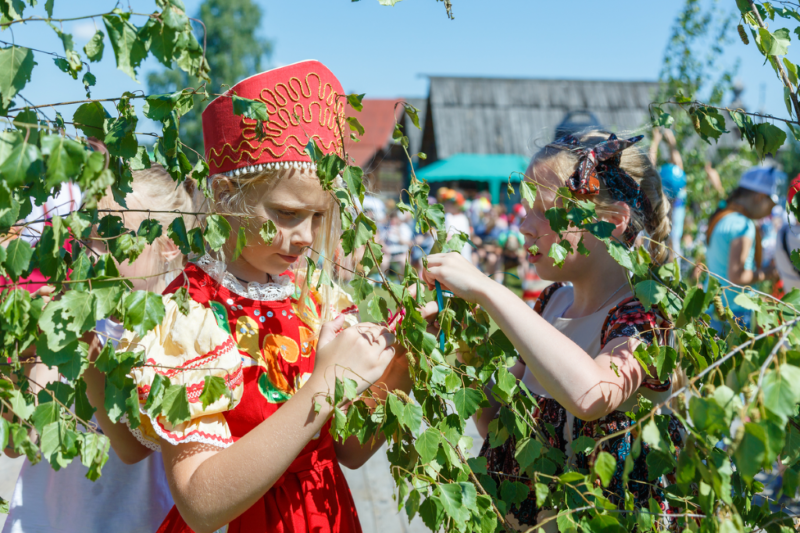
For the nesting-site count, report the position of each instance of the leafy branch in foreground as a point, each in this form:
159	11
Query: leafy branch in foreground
742	380
773	45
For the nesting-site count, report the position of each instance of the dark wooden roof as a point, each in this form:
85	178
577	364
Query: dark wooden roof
378	118
516	116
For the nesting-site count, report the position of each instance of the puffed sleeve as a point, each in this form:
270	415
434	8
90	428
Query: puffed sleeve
186	349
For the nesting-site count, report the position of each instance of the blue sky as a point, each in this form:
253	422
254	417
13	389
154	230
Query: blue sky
387	51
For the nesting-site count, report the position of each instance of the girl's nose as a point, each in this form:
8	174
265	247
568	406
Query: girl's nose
303	234
527	227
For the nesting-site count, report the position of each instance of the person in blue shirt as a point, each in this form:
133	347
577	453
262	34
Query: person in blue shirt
734	238
673	182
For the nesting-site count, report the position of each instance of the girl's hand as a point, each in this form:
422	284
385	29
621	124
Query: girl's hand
45	292
457	275
361	352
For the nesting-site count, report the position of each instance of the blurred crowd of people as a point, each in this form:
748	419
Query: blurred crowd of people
495	243
748	241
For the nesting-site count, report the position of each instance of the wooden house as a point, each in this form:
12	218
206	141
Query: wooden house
383	160
517	116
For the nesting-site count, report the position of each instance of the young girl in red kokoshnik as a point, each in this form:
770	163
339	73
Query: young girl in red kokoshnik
264	459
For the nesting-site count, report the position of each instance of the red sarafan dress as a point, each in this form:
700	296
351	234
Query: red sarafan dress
261	341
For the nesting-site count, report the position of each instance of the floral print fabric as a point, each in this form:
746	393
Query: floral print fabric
627	319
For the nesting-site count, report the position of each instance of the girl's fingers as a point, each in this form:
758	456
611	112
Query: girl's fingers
387	337
428	279
430	310
46	290
376	334
328	331
412	291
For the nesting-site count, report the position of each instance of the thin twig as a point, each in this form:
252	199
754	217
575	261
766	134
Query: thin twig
40	19
79	102
778	65
691	382
695	103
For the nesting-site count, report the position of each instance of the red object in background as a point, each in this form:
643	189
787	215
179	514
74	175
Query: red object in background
303	100
777	290
31	284
378	118
36	280
794	187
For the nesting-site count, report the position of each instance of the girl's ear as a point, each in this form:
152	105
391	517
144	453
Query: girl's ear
169	250
222	187
620	217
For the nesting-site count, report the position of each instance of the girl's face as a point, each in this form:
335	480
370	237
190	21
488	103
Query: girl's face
537	231
760	205
147	266
296	204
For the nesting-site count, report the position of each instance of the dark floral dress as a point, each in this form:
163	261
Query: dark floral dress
628	319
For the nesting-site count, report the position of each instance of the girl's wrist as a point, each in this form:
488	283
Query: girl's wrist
486	287
317	390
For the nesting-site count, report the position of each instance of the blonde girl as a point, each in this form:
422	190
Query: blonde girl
263	459
576	347
125	498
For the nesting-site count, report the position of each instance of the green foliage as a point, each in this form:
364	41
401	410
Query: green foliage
745	390
268	232
143	311
217	231
16	65
235	50
129	50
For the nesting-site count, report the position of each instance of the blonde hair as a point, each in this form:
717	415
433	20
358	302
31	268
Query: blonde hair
326	241
638	166
155	190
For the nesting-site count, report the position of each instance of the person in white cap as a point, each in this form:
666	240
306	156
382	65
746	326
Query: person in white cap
734	238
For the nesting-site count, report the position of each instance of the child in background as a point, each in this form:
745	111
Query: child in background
455	220
125	498
735	240
508	269
264	460
576	348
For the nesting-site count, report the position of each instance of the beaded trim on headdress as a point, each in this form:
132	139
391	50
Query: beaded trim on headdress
299	165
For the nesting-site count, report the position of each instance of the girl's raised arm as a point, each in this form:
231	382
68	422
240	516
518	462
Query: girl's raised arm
587	387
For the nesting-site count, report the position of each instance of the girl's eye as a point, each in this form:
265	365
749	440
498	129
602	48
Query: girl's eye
319	215
286	213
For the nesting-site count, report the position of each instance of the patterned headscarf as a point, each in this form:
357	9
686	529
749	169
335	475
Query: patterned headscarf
603	161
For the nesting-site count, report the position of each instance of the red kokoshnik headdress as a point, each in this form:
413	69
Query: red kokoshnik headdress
304	101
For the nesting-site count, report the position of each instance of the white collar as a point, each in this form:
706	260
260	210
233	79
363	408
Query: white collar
275	291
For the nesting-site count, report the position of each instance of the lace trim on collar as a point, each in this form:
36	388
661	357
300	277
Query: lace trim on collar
280	289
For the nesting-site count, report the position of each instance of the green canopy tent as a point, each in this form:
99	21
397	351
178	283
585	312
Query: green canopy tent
494	169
